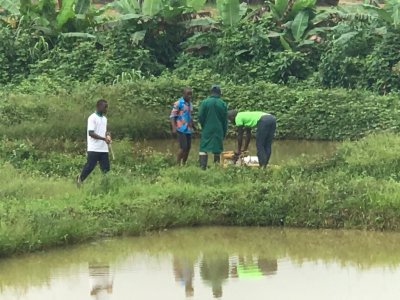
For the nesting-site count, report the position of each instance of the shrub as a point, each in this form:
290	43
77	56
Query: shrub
140	108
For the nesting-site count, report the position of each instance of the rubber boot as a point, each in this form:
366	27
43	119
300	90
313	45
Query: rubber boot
217	159
203	160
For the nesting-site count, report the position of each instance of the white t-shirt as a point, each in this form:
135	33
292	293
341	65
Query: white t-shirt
99	126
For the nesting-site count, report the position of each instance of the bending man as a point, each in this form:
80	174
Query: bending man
97	142
213	115
266	126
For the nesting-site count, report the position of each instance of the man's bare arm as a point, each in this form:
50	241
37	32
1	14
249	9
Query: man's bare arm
248	138
240	131
95	136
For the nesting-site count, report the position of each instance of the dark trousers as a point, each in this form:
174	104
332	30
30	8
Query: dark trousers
266	127
92	159
185	141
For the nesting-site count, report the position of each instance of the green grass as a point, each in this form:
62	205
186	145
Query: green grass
140	109
64	116
358	187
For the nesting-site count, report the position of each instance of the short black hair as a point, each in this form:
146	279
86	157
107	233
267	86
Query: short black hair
215	90
187	89
101	101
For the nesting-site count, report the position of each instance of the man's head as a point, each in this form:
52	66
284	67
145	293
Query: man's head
102	106
187	94
232	115
215	90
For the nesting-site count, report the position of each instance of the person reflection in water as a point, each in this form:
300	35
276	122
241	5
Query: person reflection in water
101	281
252	267
268	266
184	273
214	269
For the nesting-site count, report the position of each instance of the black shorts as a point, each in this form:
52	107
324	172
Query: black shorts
185	141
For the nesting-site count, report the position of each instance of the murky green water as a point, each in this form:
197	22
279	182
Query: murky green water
281	150
207	263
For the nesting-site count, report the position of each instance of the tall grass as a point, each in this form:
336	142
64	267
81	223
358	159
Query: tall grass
65	116
141	109
355	188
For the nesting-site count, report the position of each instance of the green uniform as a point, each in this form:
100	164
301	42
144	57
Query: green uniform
213	118
248	118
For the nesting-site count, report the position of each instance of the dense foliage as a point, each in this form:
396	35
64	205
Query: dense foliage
281	42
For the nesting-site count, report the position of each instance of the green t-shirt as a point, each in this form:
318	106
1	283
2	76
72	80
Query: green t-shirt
248	118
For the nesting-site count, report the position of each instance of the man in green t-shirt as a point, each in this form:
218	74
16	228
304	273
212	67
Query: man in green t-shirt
266	126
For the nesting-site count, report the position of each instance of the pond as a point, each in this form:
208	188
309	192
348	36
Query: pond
213	262
282	150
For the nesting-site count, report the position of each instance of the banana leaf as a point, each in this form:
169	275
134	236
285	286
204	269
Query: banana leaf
152	7
344	38
11	6
79	35
380	12
126	6
323	15
82	6
299	25
285	44
273	34
130	17
66	12
25	6
306	43
229	11
318	30
46	8
196	4
199	22
393	8
396	16
279	7
243	9
300	5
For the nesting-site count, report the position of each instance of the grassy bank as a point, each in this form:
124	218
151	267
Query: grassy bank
356	188
140	109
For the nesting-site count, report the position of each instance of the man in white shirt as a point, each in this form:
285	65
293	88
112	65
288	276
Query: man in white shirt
97	142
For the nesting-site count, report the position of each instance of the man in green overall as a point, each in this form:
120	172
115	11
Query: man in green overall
213	118
266	126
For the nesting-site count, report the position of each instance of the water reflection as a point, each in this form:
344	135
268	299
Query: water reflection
217	267
214	270
184	273
253	267
209	263
101	281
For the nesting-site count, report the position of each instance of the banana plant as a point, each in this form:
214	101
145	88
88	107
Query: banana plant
162	11
52	17
126	7
10	7
155	7
152	7
66	13
295	21
389	13
229	11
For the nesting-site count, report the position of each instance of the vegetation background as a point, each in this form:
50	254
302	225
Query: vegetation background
325	72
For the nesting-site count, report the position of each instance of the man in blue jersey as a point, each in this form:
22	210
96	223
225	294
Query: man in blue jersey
182	124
